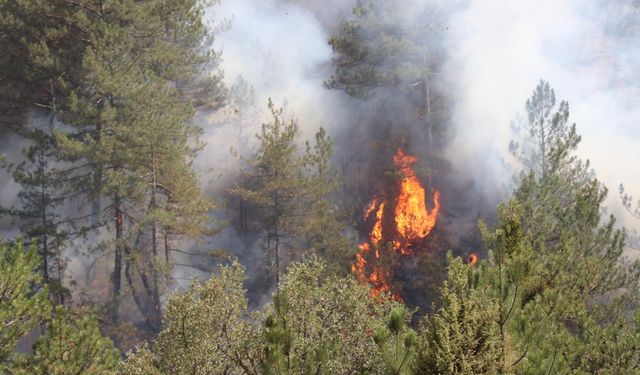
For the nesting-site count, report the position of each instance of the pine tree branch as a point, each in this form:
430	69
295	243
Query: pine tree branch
524	354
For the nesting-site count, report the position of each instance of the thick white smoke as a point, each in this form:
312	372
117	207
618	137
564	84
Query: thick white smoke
500	50
279	50
274	49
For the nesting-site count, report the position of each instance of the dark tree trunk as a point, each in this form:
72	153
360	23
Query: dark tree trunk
154	238
166	245
117	267
45	240
276	233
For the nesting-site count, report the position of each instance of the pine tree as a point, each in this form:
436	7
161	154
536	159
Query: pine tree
140	80
53	36
463	336
72	344
279	341
324	229
388	50
578	286
173	206
547	139
40	198
291	189
68	344
510	281
43	43
275	184
584	285
105	138
380	48
397	342
118	73
24	303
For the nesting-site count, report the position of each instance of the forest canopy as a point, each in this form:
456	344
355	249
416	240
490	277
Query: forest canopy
288	187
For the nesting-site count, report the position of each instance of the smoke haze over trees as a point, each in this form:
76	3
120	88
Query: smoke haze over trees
335	187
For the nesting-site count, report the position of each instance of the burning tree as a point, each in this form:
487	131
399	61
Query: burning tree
401	222
391	65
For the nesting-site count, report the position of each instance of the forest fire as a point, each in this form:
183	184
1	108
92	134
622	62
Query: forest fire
412	222
473	259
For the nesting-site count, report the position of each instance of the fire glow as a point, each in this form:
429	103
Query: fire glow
412	222
473	259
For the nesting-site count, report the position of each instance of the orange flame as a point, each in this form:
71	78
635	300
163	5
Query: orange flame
372	206
413	221
376	232
472	259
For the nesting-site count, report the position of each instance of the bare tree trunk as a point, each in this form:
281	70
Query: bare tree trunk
166	245
243	215
97	181
277	232
117	267
43	213
151	324
543	148
426	94
154	238
429	125
60	276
